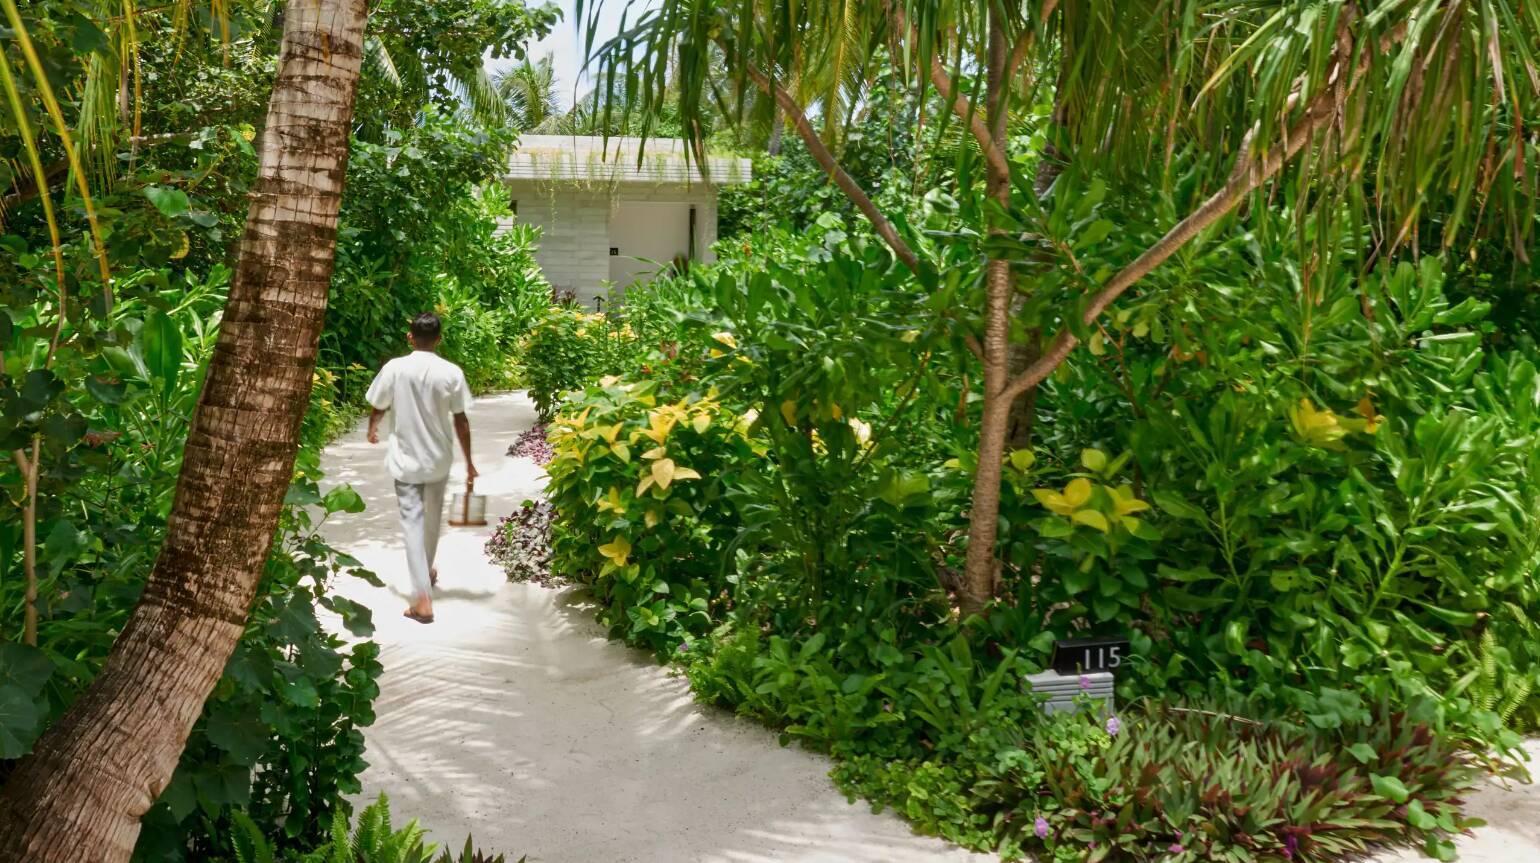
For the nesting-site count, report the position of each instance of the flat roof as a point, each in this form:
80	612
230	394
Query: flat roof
584	159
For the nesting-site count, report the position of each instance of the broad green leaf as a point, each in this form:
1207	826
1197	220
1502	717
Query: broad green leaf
1094	460
1389	787
343	498
18	722
171	202
160	344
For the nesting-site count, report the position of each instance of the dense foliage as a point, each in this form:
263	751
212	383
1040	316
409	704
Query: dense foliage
102	381
1313	519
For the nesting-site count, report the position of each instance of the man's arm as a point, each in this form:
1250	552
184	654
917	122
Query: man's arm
463	432
374	424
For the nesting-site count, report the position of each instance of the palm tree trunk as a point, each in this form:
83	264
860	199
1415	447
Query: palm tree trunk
80	795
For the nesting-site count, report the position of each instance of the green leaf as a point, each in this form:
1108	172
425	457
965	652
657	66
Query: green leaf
160	344
19	716
1389	787
171	202
1095	233
242	734
1174	506
1417	816
24	667
343	498
108	393
1094	460
1363	752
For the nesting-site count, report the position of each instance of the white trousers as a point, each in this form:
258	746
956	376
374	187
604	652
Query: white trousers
422	513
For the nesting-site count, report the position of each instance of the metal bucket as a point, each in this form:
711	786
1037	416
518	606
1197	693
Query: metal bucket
468	509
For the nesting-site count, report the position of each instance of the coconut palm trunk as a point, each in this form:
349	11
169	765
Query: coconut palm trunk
81	793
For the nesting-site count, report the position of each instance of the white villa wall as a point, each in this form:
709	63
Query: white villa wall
579	225
574	232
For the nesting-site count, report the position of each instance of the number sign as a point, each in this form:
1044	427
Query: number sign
1080	655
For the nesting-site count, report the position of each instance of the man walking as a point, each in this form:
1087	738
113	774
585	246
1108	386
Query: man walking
426	396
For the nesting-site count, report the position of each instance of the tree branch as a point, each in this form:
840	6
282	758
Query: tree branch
1247	175
994	152
826	160
23	194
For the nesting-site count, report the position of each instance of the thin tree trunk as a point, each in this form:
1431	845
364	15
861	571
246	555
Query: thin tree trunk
777	132
29	466
981	569
80	795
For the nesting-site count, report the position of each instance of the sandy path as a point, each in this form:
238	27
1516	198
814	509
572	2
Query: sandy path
514	719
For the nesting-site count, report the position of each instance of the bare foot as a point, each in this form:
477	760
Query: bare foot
433	577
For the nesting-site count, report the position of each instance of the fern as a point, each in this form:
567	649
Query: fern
250	845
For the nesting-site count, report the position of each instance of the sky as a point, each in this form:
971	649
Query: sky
565	45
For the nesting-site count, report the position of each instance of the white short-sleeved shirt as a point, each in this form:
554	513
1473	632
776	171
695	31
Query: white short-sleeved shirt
423	391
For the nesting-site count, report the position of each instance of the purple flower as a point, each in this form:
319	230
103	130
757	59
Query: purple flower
1176	848
683	647
1040	827
1290	845
1085	683
1114	726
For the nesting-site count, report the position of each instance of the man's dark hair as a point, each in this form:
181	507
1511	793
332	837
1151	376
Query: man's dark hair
426	327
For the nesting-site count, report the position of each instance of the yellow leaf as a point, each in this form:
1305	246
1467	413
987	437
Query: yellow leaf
660	422
1077	492
617	550
700	423
646	483
1053	501
612	502
609	432
789	412
655	452
725	338
622	452
1023	459
1320	428
652	517
862	431
1091	518
834	411
682	473
1124	502
663	472
1094	460
1098	344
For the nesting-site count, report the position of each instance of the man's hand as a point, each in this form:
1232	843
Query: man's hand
470	473
374	425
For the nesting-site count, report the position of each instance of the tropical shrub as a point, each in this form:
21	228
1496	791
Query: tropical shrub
521	544
1187	782
1230	498
567	349
533	445
641	486
373	840
279	738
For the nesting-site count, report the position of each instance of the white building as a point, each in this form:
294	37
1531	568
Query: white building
609	220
